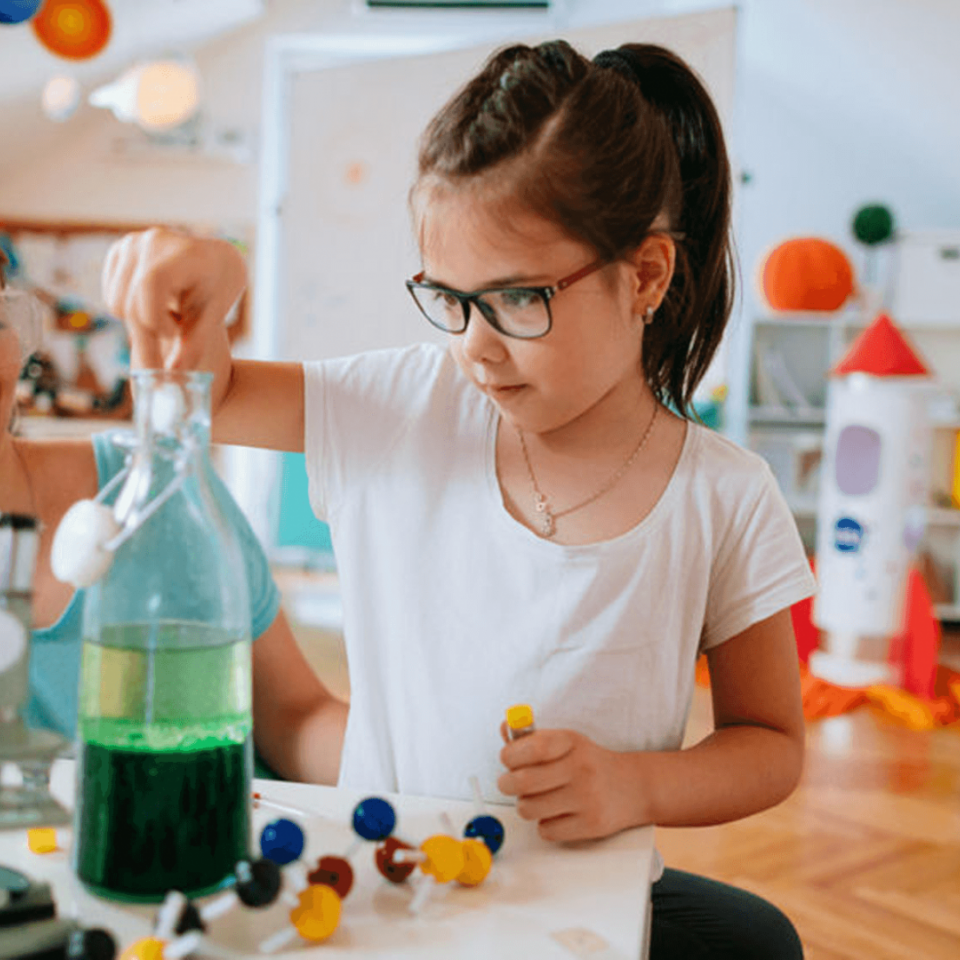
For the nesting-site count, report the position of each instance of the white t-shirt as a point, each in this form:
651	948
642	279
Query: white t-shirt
454	611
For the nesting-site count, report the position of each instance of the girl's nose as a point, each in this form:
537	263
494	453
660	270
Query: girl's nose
480	341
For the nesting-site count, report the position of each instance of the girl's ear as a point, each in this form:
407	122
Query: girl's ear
653	265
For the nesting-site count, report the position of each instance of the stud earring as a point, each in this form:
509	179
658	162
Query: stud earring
648	316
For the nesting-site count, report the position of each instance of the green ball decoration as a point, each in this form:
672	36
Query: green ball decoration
873	224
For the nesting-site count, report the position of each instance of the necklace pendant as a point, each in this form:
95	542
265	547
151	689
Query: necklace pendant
549	525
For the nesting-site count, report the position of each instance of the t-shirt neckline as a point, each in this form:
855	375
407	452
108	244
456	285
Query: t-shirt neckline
653	518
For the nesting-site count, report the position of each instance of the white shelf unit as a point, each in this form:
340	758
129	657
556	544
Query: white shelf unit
789	358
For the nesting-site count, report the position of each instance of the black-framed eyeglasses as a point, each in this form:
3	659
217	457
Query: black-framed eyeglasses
521	312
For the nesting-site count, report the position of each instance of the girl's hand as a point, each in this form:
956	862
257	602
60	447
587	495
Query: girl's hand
173	292
566	782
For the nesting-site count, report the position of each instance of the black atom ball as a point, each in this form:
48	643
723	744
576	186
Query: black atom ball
93	944
258	883
189	921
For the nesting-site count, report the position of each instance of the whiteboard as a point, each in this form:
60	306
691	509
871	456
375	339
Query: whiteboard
336	246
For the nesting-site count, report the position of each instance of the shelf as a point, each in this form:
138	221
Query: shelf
782	416
947	611
805	508
34	427
852	321
943	517
813	320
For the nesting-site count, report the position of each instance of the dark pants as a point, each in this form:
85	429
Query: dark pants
699	919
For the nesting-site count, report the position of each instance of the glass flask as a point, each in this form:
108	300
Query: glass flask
164	749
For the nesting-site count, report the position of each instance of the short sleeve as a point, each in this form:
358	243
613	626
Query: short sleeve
760	568
264	593
358	409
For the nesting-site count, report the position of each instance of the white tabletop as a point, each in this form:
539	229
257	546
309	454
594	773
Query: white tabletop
541	901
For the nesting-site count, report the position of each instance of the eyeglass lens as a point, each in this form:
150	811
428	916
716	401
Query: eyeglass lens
516	311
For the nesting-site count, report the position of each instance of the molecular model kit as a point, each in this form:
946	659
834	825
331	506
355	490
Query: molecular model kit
314	892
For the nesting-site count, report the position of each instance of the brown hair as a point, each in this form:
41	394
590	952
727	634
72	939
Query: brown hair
603	148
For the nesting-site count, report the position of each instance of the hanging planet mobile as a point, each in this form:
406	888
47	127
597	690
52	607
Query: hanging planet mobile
73	29
17	11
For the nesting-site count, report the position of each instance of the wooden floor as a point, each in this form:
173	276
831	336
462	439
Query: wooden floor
864	856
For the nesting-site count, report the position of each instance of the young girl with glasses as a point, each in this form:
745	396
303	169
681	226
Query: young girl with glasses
529	514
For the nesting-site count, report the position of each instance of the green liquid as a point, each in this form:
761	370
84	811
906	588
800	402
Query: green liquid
165	762
148	823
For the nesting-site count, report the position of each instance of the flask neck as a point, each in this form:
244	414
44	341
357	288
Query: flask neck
172	409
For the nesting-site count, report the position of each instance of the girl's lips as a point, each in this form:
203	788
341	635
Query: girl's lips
506	390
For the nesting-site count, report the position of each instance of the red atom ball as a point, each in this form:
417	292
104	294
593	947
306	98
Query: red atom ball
333	872
394	872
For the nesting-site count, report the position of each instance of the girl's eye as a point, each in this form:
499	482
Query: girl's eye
445	300
517	299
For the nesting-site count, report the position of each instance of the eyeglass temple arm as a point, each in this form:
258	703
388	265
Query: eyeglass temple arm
579	275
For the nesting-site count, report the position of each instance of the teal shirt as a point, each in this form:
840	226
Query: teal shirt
55	650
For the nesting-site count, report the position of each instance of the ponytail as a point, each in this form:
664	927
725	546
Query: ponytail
679	346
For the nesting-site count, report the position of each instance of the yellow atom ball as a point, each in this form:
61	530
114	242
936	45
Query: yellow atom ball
42	839
149	948
445	858
318	914
478	859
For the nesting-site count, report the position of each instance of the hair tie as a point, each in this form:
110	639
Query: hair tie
625	62
555	56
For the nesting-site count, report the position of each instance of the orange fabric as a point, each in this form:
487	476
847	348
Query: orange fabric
822	699
807	273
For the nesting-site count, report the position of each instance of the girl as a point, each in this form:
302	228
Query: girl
530	515
292	709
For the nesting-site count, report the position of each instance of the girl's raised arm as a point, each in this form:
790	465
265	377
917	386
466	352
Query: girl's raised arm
173	292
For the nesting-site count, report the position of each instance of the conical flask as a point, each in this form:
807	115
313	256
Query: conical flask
165	726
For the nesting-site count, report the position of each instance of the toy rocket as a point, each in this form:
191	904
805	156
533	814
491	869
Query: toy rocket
873	494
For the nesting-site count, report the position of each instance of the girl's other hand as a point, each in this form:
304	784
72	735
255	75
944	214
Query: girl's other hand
570	785
173	292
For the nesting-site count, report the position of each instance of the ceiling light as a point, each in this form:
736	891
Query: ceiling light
60	98
158	95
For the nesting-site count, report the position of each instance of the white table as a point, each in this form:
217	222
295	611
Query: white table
541	901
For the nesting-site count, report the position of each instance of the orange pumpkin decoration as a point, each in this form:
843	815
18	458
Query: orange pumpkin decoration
807	273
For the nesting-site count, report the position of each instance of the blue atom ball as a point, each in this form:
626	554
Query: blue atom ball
488	829
16	11
374	819
281	841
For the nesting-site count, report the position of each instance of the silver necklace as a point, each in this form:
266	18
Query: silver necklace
548	517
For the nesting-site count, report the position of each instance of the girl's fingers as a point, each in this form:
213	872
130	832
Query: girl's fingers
535	780
567	828
546	806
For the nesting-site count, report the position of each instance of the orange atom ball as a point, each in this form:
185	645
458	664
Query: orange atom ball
74	29
807	273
